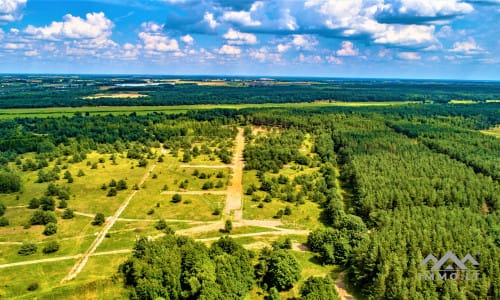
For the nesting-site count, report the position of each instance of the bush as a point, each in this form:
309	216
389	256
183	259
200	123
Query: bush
50	229
62	204
99	219
112	192
4	222
176	198
34	203
216	212
47	203
228	226
9	182
121	185
151	211
51	247
80	173
27	249
2	208
161	224
33	286
68	214
41	217
207	185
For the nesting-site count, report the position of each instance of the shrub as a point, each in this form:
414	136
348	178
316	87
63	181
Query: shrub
34	203
51	247
47	203
27	249
151	211
50	229
68	214
176	198
2	208
121	185
62	204
4	222
98	219
33	286
112	192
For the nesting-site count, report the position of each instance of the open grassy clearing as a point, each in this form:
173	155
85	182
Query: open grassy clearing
174	109
465	101
170	174
235	231
191	207
15	283
67	247
494	131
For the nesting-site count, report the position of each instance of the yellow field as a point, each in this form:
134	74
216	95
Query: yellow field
116	95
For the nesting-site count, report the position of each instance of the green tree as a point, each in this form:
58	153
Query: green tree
283	270
51	247
50	229
68	214
27	249
99	219
317	288
176	198
9	182
228	226
2	209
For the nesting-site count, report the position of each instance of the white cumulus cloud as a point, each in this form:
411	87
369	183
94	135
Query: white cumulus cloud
187	39
229	50
11	10
467	47
235	37
155	42
210	20
244	17
409	55
347	49
95	25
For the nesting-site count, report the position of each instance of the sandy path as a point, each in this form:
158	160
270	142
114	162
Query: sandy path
80	264
340	286
195	193
235	188
207	166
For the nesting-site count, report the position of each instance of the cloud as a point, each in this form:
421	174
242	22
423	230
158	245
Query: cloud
264	54
11	10
283	47
244	17
31	53
347	49
406	35
94	26
229	50
418	11
187	39
409	55
334	60
304	41
209	19
151	27
467	47
235	37
156	42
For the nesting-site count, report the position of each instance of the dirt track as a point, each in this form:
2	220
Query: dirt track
235	188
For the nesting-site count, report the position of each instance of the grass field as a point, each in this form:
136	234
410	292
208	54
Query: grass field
494	131
174	109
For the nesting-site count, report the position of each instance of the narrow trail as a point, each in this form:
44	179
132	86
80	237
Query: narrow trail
80	264
206	166
194	192
340	286
235	188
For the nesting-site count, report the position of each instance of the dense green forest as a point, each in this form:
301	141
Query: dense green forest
72	91
395	184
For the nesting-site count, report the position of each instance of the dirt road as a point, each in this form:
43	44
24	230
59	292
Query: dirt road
235	189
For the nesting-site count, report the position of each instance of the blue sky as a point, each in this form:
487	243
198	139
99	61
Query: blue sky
456	39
